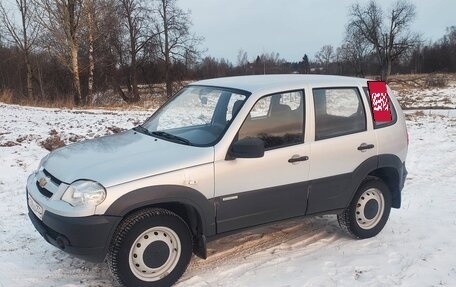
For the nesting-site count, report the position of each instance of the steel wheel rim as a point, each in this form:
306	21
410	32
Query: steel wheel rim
371	194
136	255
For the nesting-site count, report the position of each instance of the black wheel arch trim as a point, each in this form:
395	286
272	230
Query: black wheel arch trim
372	166
165	194
389	160
394	162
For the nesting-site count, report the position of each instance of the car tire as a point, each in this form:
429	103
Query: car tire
150	248
369	210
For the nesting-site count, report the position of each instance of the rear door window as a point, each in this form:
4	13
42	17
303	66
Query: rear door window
338	111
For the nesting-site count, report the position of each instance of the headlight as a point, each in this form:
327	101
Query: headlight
84	192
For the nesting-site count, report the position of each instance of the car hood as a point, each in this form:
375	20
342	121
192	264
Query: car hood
123	157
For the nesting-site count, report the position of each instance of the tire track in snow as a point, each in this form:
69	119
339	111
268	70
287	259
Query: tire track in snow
252	249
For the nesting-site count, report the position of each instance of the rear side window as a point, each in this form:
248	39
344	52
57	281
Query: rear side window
277	119
338	111
381	124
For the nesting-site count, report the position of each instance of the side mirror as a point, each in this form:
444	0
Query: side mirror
247	148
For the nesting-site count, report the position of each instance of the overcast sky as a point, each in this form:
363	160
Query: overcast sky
293	27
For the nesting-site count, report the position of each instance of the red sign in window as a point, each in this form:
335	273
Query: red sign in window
379	101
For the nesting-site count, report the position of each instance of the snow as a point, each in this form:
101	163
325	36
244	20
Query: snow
414	249
429	98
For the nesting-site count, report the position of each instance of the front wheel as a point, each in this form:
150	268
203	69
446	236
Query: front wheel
369	210
150	248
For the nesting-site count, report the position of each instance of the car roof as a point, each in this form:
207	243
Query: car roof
262	83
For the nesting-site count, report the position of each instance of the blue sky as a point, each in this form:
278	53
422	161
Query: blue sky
293	27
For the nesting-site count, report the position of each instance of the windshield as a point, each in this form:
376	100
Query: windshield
197	115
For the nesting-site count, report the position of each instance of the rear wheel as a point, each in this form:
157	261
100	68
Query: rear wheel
369	210
151	247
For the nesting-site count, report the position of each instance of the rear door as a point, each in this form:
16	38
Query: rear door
344	141
252	191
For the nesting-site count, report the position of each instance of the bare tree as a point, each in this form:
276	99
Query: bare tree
136	20
61	19
242	58
354	51
112	47
98	38
389	36
96	26
450	35
90	17
325	56
174	37
271	63
24	36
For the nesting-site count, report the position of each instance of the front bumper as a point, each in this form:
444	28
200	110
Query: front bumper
85	237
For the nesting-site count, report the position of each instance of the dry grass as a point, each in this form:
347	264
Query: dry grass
6	96
420	81
58	103
152	97
9	97
110	103
437	81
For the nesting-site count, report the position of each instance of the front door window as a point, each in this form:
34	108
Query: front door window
277	119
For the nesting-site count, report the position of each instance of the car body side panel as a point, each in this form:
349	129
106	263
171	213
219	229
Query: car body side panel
336	192
393	139
265	205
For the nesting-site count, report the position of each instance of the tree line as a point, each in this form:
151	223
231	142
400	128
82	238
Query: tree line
76	49
381	42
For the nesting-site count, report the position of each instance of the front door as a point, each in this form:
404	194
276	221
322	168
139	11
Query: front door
252	191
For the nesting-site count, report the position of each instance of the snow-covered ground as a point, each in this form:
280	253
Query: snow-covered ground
416	248
429	98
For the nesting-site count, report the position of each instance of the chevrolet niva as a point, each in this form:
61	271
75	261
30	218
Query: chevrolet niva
222	155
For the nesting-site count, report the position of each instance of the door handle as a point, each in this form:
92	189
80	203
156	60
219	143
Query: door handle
298	158
365	146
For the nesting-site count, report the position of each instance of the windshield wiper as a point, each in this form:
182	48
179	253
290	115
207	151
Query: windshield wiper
171	137
142	130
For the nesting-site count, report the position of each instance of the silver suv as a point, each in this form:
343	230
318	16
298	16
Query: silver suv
222	155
